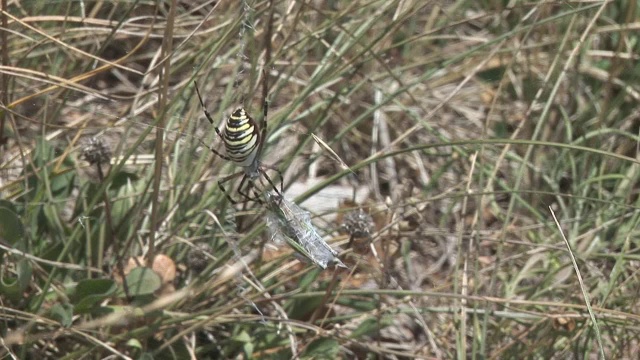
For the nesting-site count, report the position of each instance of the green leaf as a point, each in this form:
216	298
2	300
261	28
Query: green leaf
90	292
11	228
123	178
370	326
134	343
308	279
141	281
63	313
324	348
62	184
302	308
94	287
242	337
52	219
13	286
145	356
24	274
359	304
248	348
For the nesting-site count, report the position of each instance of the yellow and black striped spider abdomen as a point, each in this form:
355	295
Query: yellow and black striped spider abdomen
241	138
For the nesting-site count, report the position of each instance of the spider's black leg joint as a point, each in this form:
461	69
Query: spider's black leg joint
204	108
265	91
265	107
216	152
219	134
206	112
208	116
226	193
257	197
281	181
275	188
249	186
224	180
278	199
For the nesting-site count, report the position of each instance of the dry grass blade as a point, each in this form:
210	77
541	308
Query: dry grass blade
585	294
71	47
333	154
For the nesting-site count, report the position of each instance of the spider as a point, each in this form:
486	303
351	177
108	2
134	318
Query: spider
244	140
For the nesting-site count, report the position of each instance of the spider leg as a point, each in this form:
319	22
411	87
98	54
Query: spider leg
265	105
275	188
257	196
263	122
241	186
206	112
225	157
227	178
208	116
204	108
251	187
263	135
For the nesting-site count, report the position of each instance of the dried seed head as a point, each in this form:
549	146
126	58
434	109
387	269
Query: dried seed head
197	259
358	224
96	152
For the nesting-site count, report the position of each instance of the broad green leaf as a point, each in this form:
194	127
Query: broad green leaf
308	279
24	274
370	326
11	228
123	178
302	308
323	348
13	286
134	343
90	292
141	281
248	348
63	313
242	337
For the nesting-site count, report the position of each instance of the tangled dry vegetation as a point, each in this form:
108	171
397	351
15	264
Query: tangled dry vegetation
474	162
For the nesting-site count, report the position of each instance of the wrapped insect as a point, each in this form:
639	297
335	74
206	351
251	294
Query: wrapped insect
288	222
